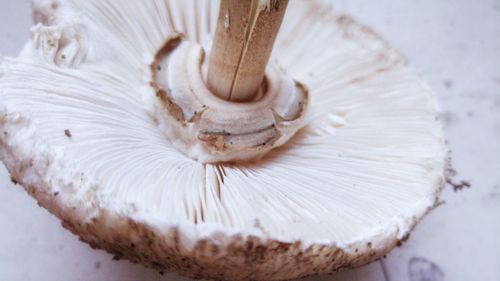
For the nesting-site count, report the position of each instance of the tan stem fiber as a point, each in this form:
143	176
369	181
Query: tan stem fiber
243	42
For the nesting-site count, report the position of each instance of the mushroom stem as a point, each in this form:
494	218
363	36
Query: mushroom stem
243	42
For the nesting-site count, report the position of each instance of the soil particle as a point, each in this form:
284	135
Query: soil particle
458	186
67	133
13	180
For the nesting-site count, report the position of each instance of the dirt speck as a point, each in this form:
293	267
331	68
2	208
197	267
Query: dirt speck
97	265
13	180
448	84
449	118
54	5
458	186
67	133
421	269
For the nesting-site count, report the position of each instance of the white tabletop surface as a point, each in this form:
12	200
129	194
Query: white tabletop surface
455	46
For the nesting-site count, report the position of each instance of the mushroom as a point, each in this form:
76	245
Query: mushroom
161	132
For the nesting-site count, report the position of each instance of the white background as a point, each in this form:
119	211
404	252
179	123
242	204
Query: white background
454	44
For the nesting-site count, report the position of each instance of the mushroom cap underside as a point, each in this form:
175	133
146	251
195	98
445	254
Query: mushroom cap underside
79	130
